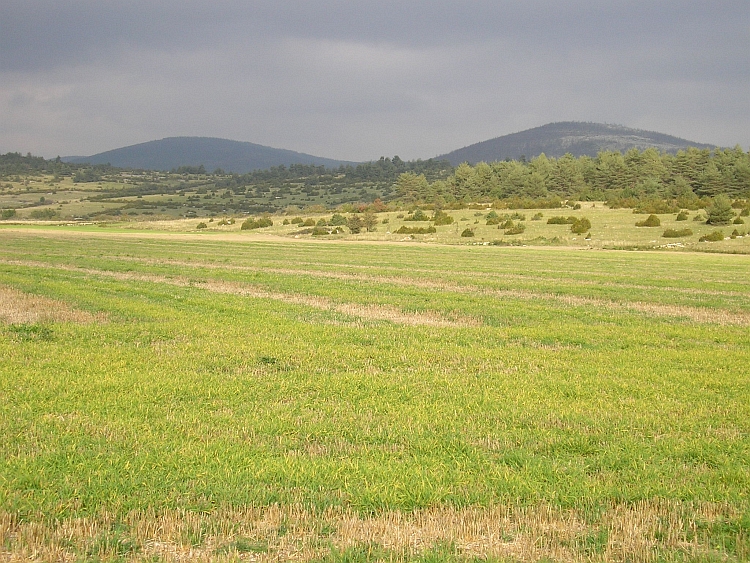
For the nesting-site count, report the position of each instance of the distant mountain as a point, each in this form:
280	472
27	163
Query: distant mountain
576	138
212	153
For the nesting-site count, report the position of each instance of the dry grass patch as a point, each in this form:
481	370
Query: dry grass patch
644	532
17	307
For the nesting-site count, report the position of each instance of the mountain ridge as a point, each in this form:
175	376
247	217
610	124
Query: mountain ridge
556	139
553	139
210	152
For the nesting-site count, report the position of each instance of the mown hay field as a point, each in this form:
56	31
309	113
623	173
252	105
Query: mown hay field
169	397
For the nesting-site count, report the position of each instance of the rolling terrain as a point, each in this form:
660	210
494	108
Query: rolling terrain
576	138
211	153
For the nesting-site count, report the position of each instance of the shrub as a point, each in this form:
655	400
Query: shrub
581	226
714	236
297	221
201	225
43	214
720	211
738	221
467	233
744	213
355	224
321	223
442	218
537	217
655	206
576	206
682	216
8	213
677	233
418	215
337	220
285	222
251	223
309	222
650	221
515	229
404	230
735	234
560	220
320	230
699	217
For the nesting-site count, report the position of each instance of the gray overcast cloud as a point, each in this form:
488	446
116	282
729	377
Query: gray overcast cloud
359	79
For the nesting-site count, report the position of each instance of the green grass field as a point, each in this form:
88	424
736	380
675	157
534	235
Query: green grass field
188	396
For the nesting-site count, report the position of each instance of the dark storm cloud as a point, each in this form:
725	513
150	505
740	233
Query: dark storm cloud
356	79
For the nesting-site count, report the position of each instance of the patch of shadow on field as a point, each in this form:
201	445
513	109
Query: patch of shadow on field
652	530
19	308
359	310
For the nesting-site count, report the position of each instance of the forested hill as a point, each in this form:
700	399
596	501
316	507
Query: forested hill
558	139
211	153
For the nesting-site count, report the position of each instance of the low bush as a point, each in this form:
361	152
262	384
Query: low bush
404	230
653	206
537	217
201	225
297	221
677	233
516	229
43	214
338	220
738	221
442	218
309	222
581	226
650	221
251	223
560	220
467	233
682	216
418	215
7	213
745	212
714	236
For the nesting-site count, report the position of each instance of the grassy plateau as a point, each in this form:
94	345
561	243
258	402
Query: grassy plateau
171	396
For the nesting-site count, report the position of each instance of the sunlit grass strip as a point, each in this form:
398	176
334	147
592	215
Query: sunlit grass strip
393	314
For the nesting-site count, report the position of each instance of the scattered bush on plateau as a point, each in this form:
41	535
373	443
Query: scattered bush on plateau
404	230
467	233
650	221
581	226
256	223
714	236
677	233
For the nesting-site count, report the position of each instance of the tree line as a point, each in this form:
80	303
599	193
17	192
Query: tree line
688	175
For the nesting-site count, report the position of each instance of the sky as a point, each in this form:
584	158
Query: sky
359	79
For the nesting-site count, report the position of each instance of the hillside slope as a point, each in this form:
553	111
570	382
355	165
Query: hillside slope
212	153
557	139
